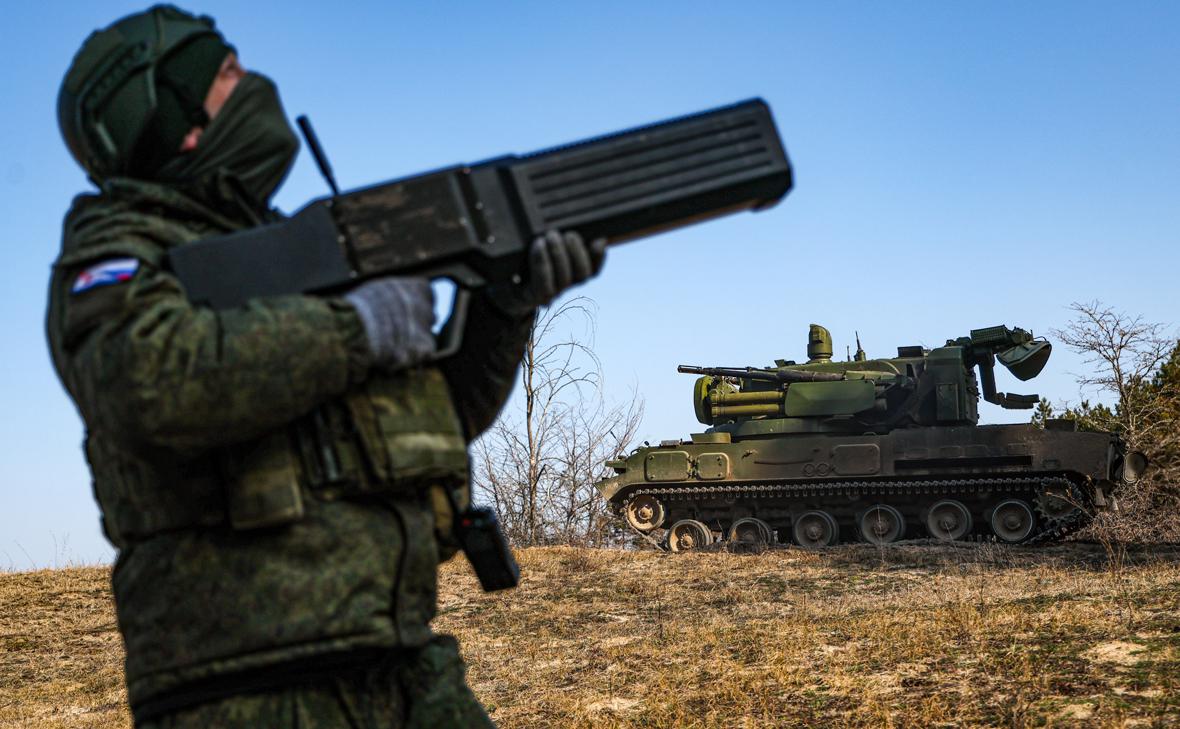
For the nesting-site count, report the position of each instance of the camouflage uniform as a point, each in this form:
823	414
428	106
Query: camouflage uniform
277	506
278	477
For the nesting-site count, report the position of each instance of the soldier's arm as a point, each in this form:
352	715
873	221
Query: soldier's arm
481	375
148	366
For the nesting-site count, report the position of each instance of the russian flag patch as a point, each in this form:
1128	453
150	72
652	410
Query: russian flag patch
105	273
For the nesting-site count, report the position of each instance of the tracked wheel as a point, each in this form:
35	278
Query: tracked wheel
881	524
689	534
752	532
815	529
1055	503
1012	521
645	512
949	520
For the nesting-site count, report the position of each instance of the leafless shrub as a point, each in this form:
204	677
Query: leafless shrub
1136	364
538	464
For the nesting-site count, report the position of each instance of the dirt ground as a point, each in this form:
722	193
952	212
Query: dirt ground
907	636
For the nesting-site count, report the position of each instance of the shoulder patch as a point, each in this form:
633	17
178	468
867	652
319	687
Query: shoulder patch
105	273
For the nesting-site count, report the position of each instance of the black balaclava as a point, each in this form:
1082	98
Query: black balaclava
248	149
183	80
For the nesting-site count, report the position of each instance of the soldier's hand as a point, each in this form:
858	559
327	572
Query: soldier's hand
557	261
397	314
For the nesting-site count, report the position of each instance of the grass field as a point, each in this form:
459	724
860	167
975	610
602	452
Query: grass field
921	636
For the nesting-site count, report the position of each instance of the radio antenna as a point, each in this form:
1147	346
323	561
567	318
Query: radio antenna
321	160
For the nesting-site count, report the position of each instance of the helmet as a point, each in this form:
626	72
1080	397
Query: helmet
135	88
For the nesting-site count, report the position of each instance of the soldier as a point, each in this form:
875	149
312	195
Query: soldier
277	478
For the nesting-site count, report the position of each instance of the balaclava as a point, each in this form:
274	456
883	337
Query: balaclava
249	147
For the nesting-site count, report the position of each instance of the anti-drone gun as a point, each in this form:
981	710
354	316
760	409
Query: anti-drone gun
472	224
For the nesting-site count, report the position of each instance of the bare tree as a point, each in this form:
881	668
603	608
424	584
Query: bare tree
1137	365
1125	354
539	462
592	432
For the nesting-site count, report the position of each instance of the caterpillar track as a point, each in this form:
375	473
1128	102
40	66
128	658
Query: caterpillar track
1055	505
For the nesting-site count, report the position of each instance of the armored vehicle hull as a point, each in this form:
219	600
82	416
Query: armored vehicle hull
870	450
1017	483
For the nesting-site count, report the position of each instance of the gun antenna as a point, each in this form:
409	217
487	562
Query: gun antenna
860	353
321	160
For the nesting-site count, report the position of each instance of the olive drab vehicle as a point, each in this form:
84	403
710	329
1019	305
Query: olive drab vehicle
873	450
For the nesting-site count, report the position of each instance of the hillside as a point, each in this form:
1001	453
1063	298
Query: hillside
856	636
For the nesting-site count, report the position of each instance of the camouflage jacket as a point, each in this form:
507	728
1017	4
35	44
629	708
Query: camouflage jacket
187	408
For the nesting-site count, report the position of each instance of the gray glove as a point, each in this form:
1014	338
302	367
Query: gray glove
397	314
557	261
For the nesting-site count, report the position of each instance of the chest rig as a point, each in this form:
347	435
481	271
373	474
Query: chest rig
394	434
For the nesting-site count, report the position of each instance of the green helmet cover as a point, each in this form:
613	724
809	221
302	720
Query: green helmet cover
135	88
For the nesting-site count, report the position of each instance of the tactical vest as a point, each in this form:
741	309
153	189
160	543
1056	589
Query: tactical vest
393	433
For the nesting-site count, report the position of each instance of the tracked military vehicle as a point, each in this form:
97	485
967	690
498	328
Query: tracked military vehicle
873	450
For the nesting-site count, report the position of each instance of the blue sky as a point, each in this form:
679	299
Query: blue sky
957	165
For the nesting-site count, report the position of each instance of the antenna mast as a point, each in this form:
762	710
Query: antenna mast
321	160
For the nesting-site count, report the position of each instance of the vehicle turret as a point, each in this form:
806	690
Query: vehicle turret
917	387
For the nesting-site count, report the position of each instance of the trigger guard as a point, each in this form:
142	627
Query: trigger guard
450	339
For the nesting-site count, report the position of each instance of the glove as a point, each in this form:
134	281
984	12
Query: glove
397	314
557	261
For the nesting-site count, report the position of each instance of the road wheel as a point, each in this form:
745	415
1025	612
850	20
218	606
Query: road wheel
689	534
881	524
815	529
1012	520
948	520
645	512
752	532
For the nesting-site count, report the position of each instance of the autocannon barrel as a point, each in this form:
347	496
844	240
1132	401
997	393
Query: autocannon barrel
733	411
748	373
748	397
784	374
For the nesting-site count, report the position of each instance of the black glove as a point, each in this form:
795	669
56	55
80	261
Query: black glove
397	314
557	261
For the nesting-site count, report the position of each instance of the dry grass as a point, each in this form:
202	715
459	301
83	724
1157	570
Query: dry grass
61	659
1072	635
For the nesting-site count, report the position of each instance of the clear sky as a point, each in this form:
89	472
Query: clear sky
958	165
